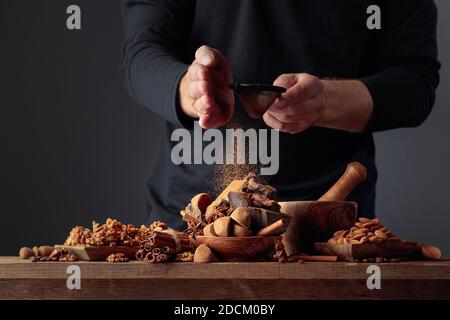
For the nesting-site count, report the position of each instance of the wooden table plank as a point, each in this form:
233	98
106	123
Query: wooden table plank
260	280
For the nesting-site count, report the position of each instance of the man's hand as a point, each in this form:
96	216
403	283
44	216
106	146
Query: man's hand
338	104
300	106
203	89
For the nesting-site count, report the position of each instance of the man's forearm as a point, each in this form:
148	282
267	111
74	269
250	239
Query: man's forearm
348	105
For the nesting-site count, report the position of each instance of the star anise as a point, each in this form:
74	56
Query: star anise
195	228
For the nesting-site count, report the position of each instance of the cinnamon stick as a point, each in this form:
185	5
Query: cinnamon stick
140	255
149	257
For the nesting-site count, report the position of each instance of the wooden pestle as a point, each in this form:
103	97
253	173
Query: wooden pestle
353	175
275	228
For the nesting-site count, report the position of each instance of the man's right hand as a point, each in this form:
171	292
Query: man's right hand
204	91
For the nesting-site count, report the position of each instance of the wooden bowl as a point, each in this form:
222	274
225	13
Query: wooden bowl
315	221
238	248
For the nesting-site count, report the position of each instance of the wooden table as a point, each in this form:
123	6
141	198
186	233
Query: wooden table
22	279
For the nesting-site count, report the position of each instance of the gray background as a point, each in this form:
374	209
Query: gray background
75	148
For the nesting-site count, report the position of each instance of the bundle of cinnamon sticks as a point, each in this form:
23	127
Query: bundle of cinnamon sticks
162	246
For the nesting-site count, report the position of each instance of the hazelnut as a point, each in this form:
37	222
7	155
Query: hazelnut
26	253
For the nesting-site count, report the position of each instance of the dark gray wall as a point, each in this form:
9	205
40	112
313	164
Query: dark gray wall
75	148
413	192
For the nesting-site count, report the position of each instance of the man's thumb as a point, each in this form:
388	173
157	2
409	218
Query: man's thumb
286	80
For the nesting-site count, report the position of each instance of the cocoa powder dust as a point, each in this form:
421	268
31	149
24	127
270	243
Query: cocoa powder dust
224	174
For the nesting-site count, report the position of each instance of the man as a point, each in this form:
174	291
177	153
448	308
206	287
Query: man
344	81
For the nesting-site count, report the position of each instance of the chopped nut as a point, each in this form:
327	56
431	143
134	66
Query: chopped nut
117	257
186	256
112	233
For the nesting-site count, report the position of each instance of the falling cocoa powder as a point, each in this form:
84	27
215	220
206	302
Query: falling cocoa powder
224	174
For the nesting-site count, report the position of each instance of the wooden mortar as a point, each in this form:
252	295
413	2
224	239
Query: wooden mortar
316	221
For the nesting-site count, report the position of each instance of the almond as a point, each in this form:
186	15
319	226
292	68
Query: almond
339	233
364	239
362	230
363	220
380	234
369	224
376	227
358	236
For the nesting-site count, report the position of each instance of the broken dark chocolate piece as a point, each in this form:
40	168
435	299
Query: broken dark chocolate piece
261	201
238	199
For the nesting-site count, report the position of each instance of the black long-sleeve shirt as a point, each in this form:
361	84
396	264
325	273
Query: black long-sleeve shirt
266	38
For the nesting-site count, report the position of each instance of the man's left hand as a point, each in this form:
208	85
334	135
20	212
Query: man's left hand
300	106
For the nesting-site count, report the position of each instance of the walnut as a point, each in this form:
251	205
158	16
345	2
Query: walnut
69	257
158	226
78	236
112	233
117	257
186	256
